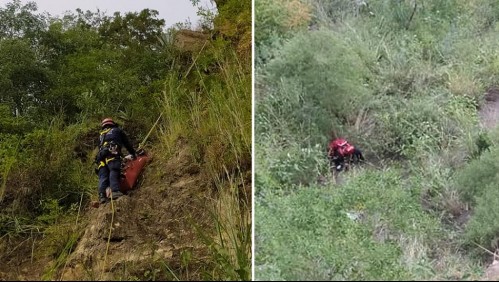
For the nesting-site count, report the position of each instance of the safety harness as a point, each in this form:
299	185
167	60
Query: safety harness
111	146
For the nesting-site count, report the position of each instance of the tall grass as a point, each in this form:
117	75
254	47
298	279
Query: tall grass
215	119
403	82
230	246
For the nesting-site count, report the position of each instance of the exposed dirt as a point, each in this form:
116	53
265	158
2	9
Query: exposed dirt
489	118
153	226
190	40
492	271
489	112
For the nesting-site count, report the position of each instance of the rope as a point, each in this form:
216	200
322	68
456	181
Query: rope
149	133
494	254
109	237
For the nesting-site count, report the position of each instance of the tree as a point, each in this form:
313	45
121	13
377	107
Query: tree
133	29
18	21
24	80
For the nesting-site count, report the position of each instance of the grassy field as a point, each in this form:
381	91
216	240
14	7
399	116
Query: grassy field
405	81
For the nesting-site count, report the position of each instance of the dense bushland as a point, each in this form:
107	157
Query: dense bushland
60	76
403	80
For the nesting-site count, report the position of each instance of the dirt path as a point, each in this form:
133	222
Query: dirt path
489	118
489	112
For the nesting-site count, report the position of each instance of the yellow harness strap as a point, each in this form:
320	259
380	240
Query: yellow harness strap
105	131
103	163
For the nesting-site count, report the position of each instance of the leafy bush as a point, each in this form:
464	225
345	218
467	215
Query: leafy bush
308	234
277	18
472	180
314	72
297	166
483	227
403	82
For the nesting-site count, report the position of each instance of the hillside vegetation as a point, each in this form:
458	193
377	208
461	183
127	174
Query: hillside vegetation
408	82
59	77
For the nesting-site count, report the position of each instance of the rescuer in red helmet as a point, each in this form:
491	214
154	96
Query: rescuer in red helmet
112	139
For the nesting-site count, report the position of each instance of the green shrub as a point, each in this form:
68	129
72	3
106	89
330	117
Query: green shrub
483	227
308	233
277	18
405	85
297	166
314	73
472	180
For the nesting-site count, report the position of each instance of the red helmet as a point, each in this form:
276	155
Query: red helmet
107	121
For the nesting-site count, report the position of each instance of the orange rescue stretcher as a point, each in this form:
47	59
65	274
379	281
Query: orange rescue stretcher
131	170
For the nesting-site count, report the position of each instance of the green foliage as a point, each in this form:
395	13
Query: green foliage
212	111
483	227
308	234
24	79
220	111
21	20
473	180
60	77
486	13
60	241
276	21
413	126
132	29
234	22
296	166
308	76
404	81
269	21
230	248
335	10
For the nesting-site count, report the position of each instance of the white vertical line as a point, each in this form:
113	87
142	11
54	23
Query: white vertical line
253	140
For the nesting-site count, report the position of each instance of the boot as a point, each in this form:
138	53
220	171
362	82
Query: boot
102	198
116	195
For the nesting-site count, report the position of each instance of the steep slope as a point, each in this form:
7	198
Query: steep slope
153	235
152	225
190	217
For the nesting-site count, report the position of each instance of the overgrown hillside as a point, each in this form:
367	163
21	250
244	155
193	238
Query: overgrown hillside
190	217
413	84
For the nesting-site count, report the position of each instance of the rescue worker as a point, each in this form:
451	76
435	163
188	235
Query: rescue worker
339	150
112	138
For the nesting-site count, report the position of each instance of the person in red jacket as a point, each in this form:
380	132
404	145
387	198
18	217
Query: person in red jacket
340	150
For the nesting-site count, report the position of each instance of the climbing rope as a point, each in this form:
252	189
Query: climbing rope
108	238
149	133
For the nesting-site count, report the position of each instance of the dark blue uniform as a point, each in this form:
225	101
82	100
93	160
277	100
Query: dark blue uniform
111	140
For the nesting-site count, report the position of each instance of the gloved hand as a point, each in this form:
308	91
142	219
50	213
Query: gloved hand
131	157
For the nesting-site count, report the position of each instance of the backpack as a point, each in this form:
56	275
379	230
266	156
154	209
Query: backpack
343	147
338	143
346	150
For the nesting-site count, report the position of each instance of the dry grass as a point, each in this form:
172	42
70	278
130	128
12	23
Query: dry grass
299	13
463	85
